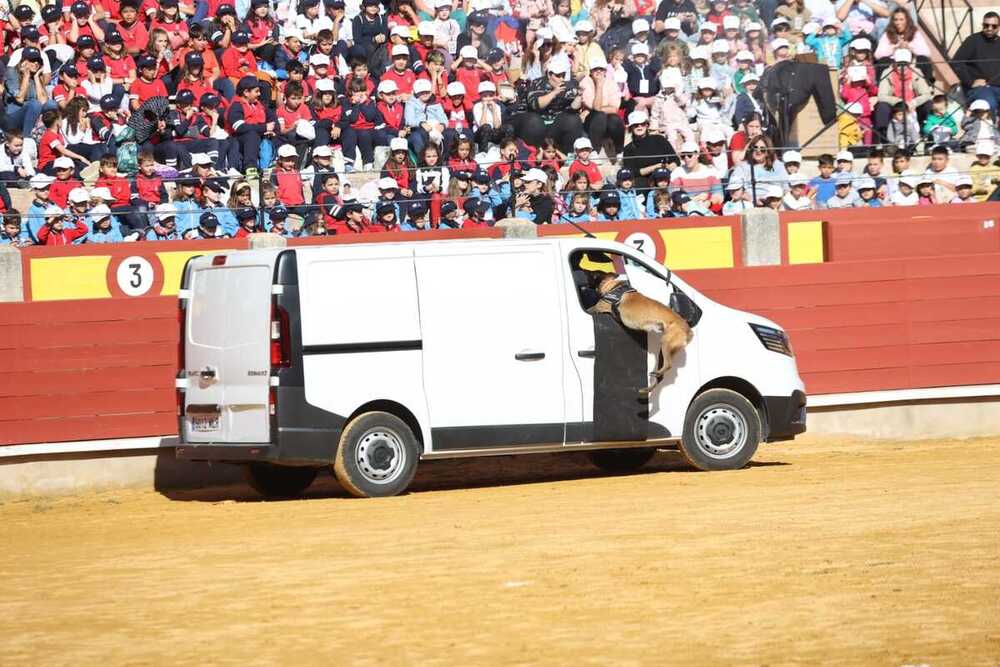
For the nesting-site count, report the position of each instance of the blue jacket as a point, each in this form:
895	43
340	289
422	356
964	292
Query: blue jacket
34	220
416	112
829	49
226	220
113	235
578	219
188	213
630	209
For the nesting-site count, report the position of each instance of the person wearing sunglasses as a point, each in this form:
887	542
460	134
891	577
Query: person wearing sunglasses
977	63
760	166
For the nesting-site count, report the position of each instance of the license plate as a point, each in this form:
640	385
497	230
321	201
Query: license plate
203	424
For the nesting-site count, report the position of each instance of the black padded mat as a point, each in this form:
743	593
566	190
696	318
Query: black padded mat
619	373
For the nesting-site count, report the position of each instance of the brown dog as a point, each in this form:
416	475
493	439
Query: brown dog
641	313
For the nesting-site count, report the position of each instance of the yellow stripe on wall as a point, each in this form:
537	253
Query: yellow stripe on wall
173	265
698	247
56	278
805	242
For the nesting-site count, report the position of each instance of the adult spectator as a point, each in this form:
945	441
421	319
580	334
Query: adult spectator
760	167
901	83
977	63
867	17
553	106
646	152
751	127
24	92
683	10
601	101
903	33
700	181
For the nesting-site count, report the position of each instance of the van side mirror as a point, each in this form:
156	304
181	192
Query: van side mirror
685	308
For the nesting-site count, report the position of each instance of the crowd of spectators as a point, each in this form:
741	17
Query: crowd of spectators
169	119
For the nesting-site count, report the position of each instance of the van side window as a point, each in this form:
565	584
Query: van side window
588	267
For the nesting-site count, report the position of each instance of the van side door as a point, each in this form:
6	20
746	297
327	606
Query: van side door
493	345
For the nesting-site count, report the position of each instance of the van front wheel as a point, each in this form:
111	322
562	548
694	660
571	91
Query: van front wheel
377	456
721	431
273	481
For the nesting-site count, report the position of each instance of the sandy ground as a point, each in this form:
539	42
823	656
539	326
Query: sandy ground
825	551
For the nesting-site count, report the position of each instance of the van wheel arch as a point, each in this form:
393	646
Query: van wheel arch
396	409
744	388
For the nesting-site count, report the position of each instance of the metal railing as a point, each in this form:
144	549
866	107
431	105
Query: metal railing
950	22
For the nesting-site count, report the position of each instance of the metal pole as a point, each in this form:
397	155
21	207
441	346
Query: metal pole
906	109
753	182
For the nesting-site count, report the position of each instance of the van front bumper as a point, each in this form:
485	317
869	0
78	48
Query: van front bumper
786	416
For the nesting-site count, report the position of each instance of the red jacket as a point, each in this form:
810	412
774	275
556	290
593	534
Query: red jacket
393	115
288	187
47	236
470	78
59	191
236	65
119	187
404	80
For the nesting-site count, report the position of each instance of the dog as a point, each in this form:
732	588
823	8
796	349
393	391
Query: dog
639	312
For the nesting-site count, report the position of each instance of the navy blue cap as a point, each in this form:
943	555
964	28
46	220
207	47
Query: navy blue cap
145	61
610	199
246	213
479	18
241	38
259	3
189	182
224	9
416	210
448	207
481	177
114	37
463	175
246	83
80	9
193	59
680	197
96	64
494	56
169	3
215	186
51	13
23	12
474	206
209	101
30	33
109	103
625	174
370	3
310	3
185	96
70	69
278	212
660	174
385	207
86	42
31	53
209	220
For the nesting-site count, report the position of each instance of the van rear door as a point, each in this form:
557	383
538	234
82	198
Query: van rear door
227	349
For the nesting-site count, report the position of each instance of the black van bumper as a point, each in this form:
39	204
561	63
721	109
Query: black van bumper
210	451
786	416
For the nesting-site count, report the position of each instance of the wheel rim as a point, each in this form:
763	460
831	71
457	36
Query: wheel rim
721	431
381	456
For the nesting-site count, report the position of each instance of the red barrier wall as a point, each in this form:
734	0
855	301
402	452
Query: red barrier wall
105	368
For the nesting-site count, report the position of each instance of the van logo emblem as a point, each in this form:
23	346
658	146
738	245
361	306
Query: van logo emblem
255	374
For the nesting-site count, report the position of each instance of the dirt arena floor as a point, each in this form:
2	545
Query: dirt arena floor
825	551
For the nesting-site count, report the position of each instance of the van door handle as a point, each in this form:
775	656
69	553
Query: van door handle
207	373
529	355
586	354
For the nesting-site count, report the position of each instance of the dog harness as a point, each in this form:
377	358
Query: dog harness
614	298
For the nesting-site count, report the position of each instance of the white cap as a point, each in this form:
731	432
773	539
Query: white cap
750	77
400	50
857	73
291	32
910	181
712	135
287	150
387	86
583	143
104	194
396	144
830	20
708	26
52	210
753	25
734	184
563	35
469	51
63	163
925	177
964	179
985	147
855	108
698	53
317	59
425	28
400	31
79	195
165	212
598	61
779	20
583	26
544	33
730	22
902	56
41	181
486	87
536	175
744	55
791	156
100	212
864	184
455	88
810	28
672	23
846	156
325	86
780	43
638	118
322	151
640	25
979	105
387	183
772	192
798	179
689	147
720	46
200	158
422	86
640	48
707	82
557	66
670	78
861	44
440	4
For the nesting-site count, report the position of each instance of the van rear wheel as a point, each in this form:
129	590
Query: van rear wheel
377	456
721	431
273	481
621	460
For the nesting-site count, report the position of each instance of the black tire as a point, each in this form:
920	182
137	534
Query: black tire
621	460
721	431
377	456
273	481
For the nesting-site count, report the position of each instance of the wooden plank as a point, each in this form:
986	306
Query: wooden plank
946	375
88	310
92	403
850	381
18	337
79	358
847	338
986	329
61	383
88	428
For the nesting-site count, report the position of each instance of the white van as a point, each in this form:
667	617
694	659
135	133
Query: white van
373	356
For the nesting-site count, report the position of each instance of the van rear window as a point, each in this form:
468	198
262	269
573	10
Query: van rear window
230	305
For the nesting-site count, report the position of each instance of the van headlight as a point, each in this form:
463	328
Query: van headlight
773	339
